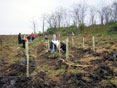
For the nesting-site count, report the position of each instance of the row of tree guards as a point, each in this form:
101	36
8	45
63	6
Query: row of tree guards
47	43
93	39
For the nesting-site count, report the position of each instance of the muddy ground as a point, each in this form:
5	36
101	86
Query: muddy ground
83	69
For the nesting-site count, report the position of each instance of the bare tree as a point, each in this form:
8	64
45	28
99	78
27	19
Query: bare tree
101	15
49	21
66	18
59	16
79	13
114	8
93	15
63	18
76	14
107	14
43	19
34	24
52	21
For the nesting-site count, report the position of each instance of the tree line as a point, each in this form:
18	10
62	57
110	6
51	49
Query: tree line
79	14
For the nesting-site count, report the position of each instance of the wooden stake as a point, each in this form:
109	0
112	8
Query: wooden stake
93	43
83	42
27	56
67	50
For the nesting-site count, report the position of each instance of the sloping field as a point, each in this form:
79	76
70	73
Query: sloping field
83	69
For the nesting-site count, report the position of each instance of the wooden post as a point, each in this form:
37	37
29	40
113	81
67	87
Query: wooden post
27	56
67	50
83	43
93	43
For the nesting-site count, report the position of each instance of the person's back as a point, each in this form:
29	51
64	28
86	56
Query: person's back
54	44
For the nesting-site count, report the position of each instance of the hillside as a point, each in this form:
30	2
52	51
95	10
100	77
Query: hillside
83	69
109	29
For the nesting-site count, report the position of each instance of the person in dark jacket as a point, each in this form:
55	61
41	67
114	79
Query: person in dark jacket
19	39
53	48
63	47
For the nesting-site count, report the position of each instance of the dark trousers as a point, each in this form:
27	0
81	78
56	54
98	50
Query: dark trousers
33	38
23	44
19	40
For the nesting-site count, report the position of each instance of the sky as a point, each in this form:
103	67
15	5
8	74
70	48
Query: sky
16	15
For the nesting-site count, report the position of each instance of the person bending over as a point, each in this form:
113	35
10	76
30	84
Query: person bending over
54	45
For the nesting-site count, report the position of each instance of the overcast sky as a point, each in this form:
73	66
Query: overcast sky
16	15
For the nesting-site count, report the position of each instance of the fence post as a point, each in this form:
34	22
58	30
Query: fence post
67	50
83	42
27	56
93	38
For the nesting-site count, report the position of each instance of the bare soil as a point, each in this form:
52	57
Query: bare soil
83	69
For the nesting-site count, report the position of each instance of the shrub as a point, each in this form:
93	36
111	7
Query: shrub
81	27
40	34
113	29
112	22
50	31
71	29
